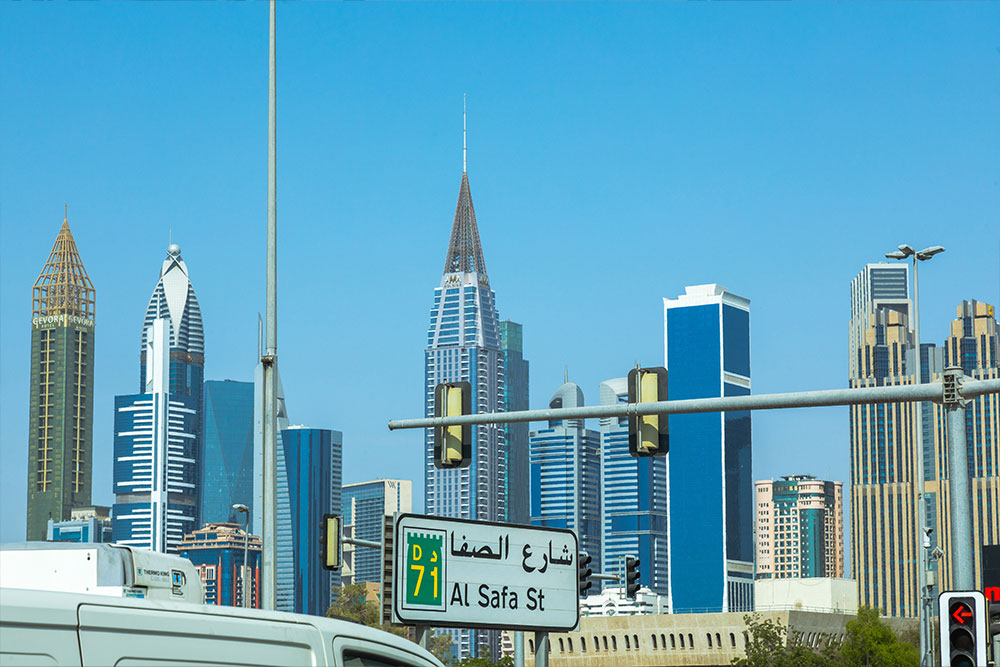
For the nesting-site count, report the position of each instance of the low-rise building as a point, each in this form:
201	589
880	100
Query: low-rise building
807	594
85	524
612	602
217	552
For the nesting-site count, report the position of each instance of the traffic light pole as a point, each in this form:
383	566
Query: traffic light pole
958	480
954	391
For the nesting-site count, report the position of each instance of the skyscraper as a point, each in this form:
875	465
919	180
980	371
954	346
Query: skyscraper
61	395
974	345
566	474
154	447
365	506
800	528
707	351
883	465
227	450
313	460
515	435
463	344
634	500
174	299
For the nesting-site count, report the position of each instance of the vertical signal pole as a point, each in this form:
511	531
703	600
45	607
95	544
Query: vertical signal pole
270	359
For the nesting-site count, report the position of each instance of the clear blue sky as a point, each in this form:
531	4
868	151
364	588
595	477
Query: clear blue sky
617	152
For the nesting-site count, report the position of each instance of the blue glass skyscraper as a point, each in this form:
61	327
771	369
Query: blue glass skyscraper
707	351
313	466
634	501
227	450
515	435
566	474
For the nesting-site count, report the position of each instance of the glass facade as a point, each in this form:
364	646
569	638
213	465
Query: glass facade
634	501
566	475
711	486
227	450
313	466
515	435
365	505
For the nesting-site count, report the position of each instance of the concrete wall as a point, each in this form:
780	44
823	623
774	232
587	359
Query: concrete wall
806	594
659	638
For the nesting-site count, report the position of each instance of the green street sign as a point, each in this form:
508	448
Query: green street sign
424	563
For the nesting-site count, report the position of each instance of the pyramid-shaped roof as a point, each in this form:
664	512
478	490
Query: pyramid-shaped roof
465	253
63	287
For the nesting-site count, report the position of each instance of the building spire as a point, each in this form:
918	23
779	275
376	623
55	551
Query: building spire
63	287
465	165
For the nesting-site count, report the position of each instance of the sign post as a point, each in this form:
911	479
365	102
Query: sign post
478	574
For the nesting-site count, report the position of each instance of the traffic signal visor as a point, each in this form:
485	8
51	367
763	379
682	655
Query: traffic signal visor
331	541
452	444
648	434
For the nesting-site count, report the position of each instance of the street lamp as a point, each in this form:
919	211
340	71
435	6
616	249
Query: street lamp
240	507
923	536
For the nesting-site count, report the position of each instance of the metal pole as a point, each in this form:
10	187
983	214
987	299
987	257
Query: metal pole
519	648
423	636
930	391
246	549
541	649
919	479
958	482
269	552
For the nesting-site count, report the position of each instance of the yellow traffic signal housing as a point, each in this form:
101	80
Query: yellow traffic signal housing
648	435
452	444
330	552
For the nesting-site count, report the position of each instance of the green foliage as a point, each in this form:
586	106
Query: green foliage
483	660
869	642
872	643
440	645
768	647
352	604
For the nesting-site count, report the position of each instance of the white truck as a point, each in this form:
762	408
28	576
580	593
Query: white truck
110	623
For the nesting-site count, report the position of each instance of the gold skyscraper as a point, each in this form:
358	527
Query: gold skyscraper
60	427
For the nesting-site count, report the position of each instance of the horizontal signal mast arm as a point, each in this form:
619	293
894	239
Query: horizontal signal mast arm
931	391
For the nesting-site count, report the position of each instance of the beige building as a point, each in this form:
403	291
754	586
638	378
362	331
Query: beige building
800	528
666	640
882	445
974	344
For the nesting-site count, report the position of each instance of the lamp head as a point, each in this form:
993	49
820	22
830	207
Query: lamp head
896	254
927	253
240	507
906	250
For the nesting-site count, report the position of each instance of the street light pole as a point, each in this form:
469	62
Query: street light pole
269	361
240	507
920	477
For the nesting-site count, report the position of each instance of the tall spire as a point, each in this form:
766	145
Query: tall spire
63	287
465	253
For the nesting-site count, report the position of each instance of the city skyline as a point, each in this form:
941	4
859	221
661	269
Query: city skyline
784	353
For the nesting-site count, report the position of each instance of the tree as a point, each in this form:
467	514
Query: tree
440	645
768	647
872	643
352	604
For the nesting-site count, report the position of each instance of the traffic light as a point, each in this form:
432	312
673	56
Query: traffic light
994	621
962	615
452	444
631	577
330	552
583	568
647	434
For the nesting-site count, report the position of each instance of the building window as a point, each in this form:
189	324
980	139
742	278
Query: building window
635	641
562	647
732	640
531	645
690	640
614	643
718	640
653	637
708	638
682	639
